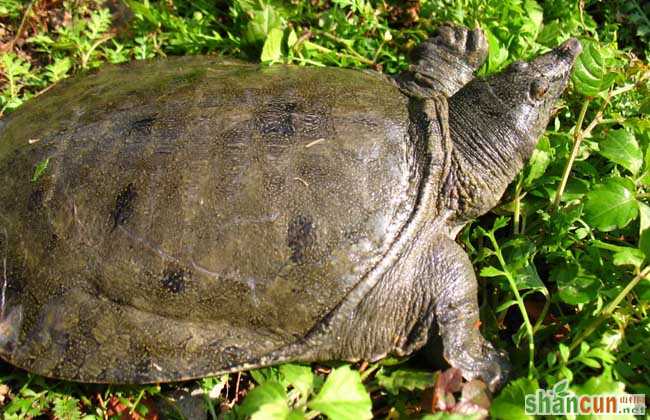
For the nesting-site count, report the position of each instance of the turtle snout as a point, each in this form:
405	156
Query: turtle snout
569	50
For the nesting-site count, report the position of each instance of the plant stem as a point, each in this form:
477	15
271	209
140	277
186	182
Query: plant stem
136	402
520	304
517	204
21	27
609	309
578	135
353	53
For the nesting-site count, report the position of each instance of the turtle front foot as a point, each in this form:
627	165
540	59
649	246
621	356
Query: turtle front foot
479	360
446	62
470	46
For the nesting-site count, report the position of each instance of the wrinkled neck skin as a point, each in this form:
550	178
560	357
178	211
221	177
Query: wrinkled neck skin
488	151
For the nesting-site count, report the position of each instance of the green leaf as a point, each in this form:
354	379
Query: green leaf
644	229
621	147
538	162
40	169
574	285
591	75
405	379
510	404
497	53
300	377
266	374
67	408
490	271
273	411
261	25
343	396
565	352
599	385
611	205
505	305
269	397
272	50
629	256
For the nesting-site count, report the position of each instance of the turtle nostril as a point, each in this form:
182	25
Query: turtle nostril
570	47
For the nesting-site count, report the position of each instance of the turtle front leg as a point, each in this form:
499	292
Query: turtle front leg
457	314
445	62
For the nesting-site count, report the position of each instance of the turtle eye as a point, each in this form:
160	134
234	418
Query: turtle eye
538	89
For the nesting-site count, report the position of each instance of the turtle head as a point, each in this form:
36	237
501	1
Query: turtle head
527	92
495	124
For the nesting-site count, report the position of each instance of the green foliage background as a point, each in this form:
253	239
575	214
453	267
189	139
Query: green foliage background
563	260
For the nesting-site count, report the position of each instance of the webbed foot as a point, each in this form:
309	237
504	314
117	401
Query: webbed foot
445	62
469	46
477	358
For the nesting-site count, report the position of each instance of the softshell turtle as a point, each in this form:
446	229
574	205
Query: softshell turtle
185	217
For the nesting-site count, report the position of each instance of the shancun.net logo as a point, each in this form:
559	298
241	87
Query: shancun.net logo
562	401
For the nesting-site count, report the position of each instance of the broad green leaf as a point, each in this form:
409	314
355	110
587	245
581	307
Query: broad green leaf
538	162
497	53
603	384
273	411
300	377
611	205
574	286
343	396
40	169
591	75
261	24
405	379
270	395
272	50
510	404
629	256
266	374
602	354
621	147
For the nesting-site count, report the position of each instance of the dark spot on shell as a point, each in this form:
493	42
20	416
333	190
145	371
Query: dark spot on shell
276	119
174	280
52	242
35	200
234	355
142	367
124	205
142	126
189	77
300	236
